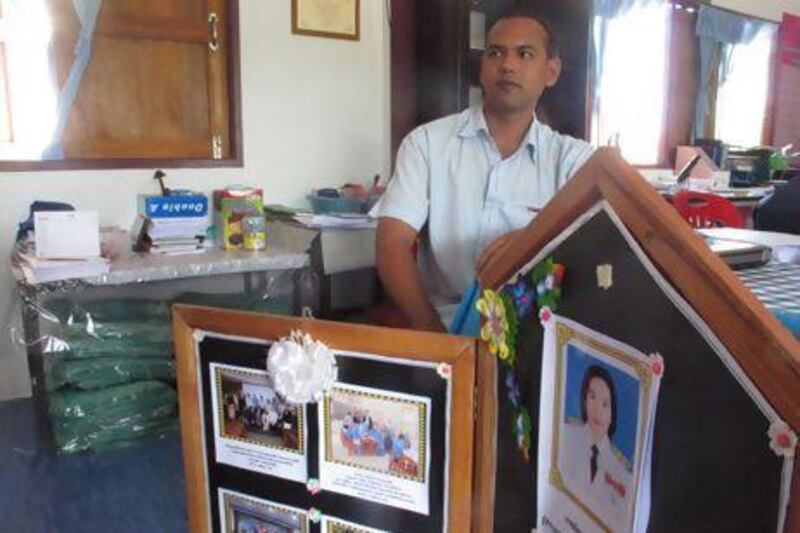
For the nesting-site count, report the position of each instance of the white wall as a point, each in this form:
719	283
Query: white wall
769	9
316	113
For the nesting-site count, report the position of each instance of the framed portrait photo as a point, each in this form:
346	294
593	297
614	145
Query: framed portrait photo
604	396
338	19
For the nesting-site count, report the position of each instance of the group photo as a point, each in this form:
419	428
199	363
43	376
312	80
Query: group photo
245	515
378	433
253	411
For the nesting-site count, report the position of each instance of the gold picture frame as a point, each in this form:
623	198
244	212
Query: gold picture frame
336	19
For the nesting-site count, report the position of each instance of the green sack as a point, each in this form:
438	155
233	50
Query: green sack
243	301
109	310
111	417
72	438
112	403
90	348
141	331
103	372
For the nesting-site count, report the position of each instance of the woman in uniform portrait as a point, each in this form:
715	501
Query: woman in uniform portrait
594	470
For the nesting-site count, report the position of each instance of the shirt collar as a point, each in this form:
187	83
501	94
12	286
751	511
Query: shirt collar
476	123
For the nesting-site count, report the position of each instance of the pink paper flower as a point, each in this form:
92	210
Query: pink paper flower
313	486
657	364
444	370
545	315
315	515
782	440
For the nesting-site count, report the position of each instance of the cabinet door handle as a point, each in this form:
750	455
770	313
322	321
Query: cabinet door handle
213	44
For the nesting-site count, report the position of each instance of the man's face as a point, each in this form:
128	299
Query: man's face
515	68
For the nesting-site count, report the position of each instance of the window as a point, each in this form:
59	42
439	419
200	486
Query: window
743	91
27	97
160	86
630	108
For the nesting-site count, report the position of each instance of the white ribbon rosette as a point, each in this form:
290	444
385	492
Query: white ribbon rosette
302	369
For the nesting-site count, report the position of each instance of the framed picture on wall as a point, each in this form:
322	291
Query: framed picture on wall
338	19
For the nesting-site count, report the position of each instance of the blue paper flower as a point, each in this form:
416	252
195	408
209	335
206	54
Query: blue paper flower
512	387
523	297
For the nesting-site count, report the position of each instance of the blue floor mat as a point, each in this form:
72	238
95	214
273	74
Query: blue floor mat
134	489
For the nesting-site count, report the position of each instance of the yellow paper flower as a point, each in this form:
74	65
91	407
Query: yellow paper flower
490	305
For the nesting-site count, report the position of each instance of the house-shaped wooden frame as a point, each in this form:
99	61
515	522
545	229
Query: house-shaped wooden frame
732	367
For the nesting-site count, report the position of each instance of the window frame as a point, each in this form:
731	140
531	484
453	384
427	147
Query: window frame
5	95
236	158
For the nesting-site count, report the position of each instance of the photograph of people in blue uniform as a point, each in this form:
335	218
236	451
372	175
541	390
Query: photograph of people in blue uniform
382	434
597	437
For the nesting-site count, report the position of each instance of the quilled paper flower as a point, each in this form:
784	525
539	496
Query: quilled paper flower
315	515
512	387
522	427
523	297
541	288
313	486
782	440
657	364
302	369
444	370
494	330
558	273
545	315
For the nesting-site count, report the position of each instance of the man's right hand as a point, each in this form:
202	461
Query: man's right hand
397	268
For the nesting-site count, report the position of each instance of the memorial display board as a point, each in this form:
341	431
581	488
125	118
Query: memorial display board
389	447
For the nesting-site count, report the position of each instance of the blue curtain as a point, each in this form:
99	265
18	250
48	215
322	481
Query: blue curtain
86	11
719	32
603	12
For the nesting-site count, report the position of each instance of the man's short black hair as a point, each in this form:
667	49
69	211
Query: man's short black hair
527	11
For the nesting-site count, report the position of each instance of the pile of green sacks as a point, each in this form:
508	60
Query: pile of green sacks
111	374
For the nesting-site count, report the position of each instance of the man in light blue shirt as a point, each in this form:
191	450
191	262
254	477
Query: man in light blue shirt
473	179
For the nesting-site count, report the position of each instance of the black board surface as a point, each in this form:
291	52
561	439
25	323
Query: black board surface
380	374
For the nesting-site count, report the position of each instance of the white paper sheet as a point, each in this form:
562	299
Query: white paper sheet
67	234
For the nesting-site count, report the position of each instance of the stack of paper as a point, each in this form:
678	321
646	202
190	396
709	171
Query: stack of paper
38	270
65	245
342	220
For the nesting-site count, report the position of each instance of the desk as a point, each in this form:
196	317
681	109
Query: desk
785	246
343	259
254	280
777	285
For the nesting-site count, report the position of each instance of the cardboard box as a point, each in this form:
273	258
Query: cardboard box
176	206
231	207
